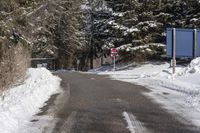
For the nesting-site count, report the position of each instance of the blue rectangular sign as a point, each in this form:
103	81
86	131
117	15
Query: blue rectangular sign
198	43
184	43
169	42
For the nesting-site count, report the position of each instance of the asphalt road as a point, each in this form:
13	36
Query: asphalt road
95	104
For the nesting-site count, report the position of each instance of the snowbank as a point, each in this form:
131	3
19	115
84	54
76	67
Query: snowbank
194	67
179	92
20	103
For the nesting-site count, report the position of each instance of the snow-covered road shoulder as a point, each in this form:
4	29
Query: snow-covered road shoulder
178	93
19	104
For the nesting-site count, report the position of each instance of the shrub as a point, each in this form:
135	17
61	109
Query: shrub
22	20
14	61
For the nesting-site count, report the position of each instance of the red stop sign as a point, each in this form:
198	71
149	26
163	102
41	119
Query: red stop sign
114	52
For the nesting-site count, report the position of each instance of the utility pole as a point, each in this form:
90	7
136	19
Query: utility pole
91	34
92	42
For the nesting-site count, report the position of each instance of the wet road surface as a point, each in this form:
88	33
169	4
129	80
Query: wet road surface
95	104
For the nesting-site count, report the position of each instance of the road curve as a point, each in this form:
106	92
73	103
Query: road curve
96	104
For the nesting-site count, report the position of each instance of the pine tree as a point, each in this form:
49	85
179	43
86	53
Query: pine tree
97	15
67	34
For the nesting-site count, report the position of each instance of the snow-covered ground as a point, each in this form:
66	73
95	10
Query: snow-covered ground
19	104
178	93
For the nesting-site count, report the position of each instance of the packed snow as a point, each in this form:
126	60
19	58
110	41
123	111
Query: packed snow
179	92
19	104
134	125
128	120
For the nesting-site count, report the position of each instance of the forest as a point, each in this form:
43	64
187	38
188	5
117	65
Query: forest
86	30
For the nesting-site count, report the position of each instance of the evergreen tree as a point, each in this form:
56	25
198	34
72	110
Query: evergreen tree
136	23
67	33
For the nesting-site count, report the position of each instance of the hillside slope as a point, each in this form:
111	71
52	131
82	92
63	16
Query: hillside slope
34	28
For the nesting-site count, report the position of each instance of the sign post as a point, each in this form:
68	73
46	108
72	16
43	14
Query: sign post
174	51
114	53
77	63
194	43
114	63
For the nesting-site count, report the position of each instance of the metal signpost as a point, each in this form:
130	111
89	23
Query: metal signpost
114	53
77	64
182	43
195	44
174	51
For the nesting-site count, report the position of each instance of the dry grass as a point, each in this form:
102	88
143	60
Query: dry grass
13	63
